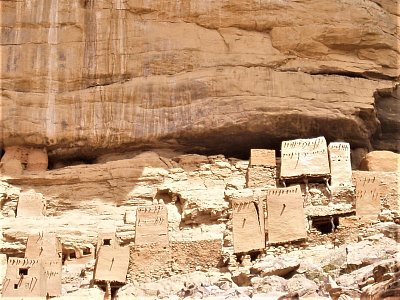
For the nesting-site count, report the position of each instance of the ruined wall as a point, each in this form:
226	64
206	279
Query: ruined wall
155	261
81	77
262	170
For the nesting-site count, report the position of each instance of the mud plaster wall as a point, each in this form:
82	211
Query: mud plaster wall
388	187
31	159
110	237
367	197
155	261
304	157
112	264
248	225
46	247
191	254
12	167
261	171
30	205
151	225
31	285
286	218
52	273
339	159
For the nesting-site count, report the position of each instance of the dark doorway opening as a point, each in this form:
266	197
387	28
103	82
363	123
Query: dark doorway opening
326	224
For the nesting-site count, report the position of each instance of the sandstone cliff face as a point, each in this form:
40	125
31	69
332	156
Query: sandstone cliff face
81	76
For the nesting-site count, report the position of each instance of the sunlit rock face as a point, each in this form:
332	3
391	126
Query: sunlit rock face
87	77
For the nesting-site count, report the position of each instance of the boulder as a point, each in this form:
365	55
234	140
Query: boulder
303	286
388	289
269	284
279	266
384	161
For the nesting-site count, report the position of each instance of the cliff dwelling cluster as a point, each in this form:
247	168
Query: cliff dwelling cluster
199	149
271	204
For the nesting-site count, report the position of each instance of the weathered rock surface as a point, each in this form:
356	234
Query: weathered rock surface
388	111
302	286
269	284
272	266
388	289
384	161
390	230
84	77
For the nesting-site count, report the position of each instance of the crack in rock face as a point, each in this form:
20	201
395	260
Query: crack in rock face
201	77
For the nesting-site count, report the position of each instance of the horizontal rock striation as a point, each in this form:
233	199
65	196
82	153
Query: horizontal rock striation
92	76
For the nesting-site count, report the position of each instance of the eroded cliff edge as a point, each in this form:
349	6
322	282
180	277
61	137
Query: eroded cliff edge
87	77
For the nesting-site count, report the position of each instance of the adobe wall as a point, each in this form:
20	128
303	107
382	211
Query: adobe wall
339	160
32	284
286	218
151	225
31	204
53	276
247	224
78	255
387	187
102	236
189	255
47	246
150	261
3	268
304	157
260	176
112	264
318	200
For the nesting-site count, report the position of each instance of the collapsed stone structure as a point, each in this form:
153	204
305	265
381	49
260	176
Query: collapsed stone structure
153	255
261	171
155	261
